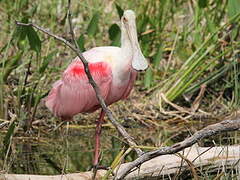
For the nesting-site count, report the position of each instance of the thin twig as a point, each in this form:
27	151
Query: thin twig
224	126
76	49
50	34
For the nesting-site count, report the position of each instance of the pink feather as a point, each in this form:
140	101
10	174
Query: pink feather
74	94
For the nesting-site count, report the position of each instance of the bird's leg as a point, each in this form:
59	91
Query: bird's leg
97	139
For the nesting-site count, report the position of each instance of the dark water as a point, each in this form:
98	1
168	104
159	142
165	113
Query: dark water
60	151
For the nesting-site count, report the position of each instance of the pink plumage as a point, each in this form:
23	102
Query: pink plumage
73	94
114	70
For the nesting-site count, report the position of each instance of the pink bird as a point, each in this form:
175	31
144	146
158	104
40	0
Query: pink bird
114	70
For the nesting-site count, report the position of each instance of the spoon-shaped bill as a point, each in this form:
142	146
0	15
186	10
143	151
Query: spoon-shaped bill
139	62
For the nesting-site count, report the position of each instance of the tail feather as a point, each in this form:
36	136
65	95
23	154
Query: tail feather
51	99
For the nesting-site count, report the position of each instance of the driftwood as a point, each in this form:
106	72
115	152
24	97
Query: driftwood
191	160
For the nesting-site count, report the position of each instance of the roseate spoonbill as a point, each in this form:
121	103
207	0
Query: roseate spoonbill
114	70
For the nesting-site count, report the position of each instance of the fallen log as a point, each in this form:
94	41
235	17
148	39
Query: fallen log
190	160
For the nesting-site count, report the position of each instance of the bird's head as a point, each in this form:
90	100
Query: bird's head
128	22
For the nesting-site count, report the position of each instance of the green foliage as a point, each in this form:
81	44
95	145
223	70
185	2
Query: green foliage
21	32
114	34
148	78
157	58
233	8
202	3
7	139
204	55
12	63
236	84
34	40
93	25
119	10
46	60
81	41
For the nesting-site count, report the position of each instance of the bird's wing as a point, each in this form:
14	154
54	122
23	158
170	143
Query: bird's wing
74	94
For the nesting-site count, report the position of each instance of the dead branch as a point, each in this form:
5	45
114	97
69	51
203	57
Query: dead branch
76	49
224	126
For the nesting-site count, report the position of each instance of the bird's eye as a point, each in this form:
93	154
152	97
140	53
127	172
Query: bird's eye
124	19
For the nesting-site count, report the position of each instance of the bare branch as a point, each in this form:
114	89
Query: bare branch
76	49
224	126
49	33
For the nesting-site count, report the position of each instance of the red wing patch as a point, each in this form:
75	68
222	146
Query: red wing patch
77	68
75	94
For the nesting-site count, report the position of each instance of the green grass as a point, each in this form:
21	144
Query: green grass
188	43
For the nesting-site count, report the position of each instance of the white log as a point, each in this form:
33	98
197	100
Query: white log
216	158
